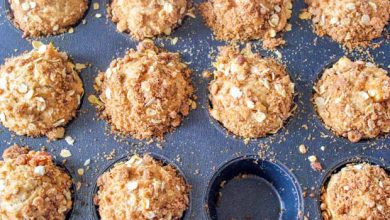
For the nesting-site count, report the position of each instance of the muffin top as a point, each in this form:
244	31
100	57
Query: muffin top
32	186
142	188
146	93
146	19
40	92
353	99
350	22
251	96
358	191
248	19
41	17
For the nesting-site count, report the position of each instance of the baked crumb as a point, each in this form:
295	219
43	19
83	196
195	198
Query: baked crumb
41	17
248	20
40	92
147	93
350	22
353	99
32	186
146	19
358	191
142	188
251	96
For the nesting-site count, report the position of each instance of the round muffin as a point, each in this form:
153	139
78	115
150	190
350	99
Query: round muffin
40	92
142	188
358	191
248	19
146	19
41	17
32	186
353	99
350	22
146	93
250	96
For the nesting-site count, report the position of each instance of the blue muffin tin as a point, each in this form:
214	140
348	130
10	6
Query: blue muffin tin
201	147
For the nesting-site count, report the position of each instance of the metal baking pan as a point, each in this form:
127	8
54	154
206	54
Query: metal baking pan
200	147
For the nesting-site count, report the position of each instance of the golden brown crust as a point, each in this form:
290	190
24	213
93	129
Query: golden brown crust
40	92
146	19
32	186
41	17
250	96
142	188
248	19
358	191
146	93
350	22
353	99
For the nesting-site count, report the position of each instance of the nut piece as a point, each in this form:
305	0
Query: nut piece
146	93
40	17
32	186
40	92
248	20
353	99
350	22
250	96
141	188
358	191
146	19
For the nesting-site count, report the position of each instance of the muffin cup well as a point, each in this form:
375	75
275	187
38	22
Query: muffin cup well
337	166
95	209
271	191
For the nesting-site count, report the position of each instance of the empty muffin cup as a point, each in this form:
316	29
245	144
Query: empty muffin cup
153	165
252	188
348	179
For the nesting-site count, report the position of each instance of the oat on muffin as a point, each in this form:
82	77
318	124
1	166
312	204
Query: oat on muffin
146	93
146	19
41	17
358	191
40	92
142	188
251	96
350	22
353	99
248	19
32	186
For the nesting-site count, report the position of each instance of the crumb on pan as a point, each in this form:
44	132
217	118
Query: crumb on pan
142	188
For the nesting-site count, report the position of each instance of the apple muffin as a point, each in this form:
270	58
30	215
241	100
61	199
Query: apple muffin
248	19
142	188
40	92
146	19
250	96
353	99
41	17
358	191
32	186
146	93
350	22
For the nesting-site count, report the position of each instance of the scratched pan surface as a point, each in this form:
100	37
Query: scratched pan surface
200	146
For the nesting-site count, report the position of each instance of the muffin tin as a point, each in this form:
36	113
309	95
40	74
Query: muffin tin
200	147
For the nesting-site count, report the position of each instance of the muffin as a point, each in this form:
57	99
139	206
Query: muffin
251	96
32	186
41	17
142	188
40	92
248	20
358	191
353	99
146	19
350	22
146	93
